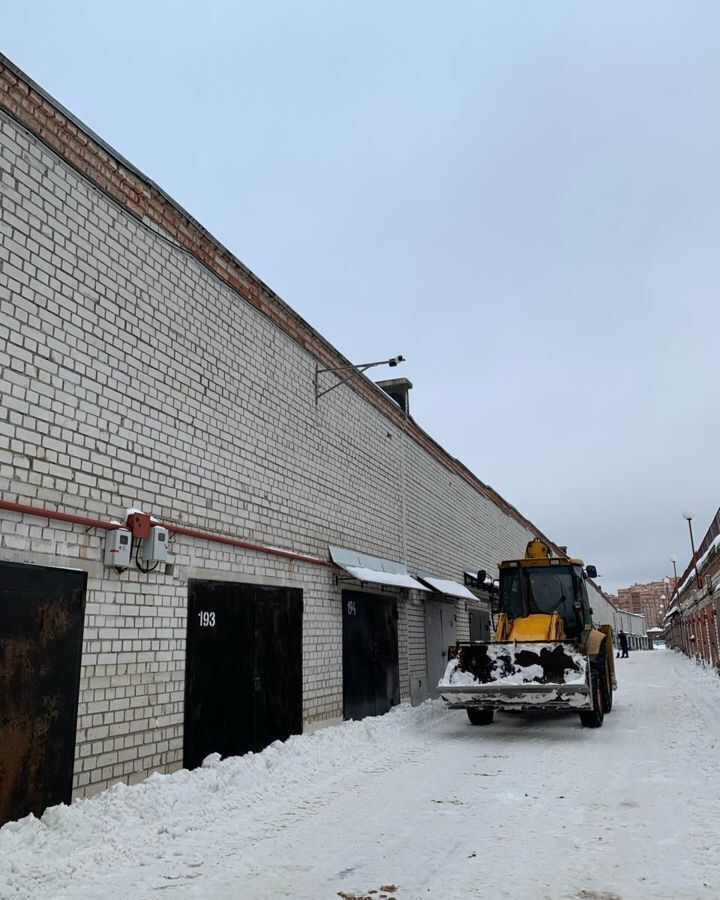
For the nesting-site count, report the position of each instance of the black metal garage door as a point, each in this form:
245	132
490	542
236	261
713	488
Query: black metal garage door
371	680
41	626
243	681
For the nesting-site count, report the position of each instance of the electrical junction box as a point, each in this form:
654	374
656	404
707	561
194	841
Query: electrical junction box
154	547
139	523
118	544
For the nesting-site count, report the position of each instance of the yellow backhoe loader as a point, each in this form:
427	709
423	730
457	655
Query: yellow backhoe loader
546	654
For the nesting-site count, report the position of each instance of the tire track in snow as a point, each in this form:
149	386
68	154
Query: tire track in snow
529	807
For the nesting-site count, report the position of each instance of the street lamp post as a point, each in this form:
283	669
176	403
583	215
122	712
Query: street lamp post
688	515
678	627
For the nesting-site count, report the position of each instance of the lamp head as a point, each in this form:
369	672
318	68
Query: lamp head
687	514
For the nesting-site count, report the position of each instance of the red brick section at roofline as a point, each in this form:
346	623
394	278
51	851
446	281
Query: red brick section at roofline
69	140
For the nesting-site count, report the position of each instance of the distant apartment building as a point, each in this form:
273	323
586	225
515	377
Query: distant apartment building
649	600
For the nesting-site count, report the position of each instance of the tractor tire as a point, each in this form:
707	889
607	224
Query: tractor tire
608	698
480	716
593	718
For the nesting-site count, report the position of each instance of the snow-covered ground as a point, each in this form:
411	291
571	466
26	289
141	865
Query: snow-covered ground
416	804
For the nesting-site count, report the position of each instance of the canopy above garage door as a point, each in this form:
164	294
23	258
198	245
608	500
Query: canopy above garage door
445	586
374	569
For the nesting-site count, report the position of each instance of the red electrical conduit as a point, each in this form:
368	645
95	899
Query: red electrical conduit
246	545
55	514
176	529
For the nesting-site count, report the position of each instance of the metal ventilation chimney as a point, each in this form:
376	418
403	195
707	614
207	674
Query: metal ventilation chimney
399	390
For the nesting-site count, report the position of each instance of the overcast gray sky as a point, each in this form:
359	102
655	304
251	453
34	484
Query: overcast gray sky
521	198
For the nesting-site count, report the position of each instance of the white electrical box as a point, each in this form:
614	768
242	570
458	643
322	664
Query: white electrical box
118	544
154	548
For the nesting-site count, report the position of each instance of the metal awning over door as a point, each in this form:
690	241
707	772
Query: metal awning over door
445	586
374	569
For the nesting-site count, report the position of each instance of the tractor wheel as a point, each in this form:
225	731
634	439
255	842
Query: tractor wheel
593	718
608	692
480	716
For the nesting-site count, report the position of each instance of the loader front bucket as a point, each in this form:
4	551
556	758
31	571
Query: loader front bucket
517	675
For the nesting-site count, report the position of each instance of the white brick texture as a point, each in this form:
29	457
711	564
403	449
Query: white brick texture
132	375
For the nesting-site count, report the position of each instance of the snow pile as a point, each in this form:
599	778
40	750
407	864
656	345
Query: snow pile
136	825
529	674
706	675
455	675
714	545
524	675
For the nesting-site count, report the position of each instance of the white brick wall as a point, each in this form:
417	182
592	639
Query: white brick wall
131	375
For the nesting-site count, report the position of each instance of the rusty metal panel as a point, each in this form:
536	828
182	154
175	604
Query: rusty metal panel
41	625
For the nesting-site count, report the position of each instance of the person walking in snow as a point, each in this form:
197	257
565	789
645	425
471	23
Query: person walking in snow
623	641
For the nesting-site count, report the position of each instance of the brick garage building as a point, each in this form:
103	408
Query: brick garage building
691	621
143	365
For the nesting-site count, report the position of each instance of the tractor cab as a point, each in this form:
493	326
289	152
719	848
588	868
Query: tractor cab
542	598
